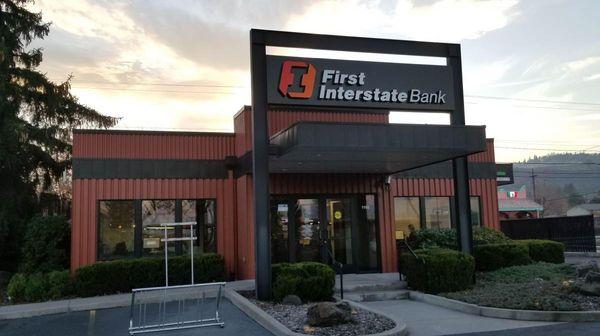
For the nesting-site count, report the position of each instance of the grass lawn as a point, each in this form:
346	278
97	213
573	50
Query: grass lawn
538	286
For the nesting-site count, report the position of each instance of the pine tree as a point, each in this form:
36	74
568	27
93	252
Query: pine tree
37	117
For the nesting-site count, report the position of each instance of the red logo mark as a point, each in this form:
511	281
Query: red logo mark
307	81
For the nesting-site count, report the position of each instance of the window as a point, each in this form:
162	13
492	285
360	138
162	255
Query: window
155	213
116	230
203	212
132	228
407	216
475	211
437	212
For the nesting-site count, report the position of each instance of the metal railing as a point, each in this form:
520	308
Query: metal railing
340	267
405	242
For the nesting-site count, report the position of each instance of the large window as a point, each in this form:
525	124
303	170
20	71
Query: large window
407	216
116	229
437	212
132	228
412	213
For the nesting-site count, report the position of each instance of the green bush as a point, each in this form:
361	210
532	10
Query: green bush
311	281
46	245
490	257
39	286
438	270
121	276
545	250
16	288
446	238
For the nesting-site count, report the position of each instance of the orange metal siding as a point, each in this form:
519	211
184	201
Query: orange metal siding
152	146
487	156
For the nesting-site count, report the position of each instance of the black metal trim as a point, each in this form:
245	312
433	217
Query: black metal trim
150	132
84	168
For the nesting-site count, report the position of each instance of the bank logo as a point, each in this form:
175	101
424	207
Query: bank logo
307	80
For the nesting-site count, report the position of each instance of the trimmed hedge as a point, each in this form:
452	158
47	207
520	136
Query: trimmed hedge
545	250
121	276
438	270
39	286
311	281
490	257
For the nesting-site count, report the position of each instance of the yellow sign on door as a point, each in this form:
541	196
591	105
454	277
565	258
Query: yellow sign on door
337	215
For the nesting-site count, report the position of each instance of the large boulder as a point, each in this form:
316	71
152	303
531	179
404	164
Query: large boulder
583	269
590	285
326	314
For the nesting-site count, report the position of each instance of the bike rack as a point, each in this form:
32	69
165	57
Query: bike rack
179	307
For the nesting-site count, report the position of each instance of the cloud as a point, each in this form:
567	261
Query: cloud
446	20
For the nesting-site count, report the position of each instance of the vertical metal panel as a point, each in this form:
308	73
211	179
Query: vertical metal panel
153	146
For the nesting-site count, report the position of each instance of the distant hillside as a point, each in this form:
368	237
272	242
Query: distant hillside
562	179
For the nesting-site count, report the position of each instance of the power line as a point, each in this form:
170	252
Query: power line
149	90
548	149
163	84
534	100
574	194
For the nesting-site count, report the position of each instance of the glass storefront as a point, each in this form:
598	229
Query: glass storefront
314	228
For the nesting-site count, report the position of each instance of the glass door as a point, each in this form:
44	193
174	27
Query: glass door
340	216
307	230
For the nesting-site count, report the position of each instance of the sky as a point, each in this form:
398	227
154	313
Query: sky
531	68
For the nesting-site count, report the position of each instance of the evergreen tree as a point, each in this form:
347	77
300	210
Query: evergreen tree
37	117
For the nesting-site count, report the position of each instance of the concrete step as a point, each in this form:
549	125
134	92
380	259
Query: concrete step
370	296
373	287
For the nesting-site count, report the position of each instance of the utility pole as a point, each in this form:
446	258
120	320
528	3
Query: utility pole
533	182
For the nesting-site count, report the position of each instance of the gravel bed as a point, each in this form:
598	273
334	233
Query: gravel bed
294	317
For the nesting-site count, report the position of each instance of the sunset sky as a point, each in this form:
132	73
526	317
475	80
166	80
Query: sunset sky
531	68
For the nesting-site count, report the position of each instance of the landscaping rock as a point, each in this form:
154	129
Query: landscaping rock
590	285
583	269
326	314
293	300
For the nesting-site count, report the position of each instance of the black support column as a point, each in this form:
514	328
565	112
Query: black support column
260	166
460	170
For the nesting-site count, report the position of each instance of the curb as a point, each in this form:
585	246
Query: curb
64	306
503	313
583	254
278	329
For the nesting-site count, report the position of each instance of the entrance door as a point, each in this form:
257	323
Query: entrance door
308	230
305	228
340	217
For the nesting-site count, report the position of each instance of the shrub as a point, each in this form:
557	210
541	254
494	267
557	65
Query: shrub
490	257
16	288
46	245
311	281
438	270
545	250
121	276
446	238
39	286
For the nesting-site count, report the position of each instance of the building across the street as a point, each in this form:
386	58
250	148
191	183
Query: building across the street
585	210
337	178
514	204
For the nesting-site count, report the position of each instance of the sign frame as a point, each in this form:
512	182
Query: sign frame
259	40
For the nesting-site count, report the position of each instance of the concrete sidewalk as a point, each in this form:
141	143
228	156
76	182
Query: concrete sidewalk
424	319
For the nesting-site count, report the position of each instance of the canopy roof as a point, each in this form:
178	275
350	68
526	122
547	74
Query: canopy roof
325	147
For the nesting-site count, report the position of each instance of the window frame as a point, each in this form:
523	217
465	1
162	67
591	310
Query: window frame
452	200
138	233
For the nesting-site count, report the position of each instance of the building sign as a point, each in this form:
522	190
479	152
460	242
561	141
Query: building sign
329	82
504	174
